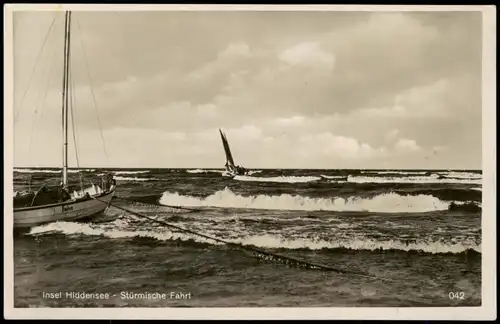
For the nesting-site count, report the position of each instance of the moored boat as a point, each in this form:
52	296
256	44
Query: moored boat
61	203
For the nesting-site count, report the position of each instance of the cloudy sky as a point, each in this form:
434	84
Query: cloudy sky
290	89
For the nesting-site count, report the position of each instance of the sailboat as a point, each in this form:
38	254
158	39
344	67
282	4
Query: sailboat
49	204
232	169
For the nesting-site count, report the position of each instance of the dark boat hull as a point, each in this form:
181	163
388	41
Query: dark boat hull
73	210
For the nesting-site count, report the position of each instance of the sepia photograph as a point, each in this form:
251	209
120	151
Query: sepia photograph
250	162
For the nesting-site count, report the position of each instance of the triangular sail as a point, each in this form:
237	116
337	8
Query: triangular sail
229	156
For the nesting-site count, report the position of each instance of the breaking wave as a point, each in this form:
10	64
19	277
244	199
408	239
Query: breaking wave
290	179
134	179
130	172
204	171
393	172
384	203
36	171
434	178
269	241
460	175
217	171
118	229
426	179
50	171
333	177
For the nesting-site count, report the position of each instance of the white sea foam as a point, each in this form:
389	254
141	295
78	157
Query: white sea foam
460	175
393	172
434	178
332	177
133	179
289	179
384	203
425	179
119	229
270	241
36	171
251	172
50	171
130	172
204	171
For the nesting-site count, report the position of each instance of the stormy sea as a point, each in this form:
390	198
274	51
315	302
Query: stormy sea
395	238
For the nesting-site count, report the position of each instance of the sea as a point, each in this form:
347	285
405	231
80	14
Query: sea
193	238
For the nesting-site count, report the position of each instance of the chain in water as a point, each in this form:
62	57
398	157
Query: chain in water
289	261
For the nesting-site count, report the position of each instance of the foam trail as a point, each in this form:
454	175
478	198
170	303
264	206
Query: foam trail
384	203
290	179
119	229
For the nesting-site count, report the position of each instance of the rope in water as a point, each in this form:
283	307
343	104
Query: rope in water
287	260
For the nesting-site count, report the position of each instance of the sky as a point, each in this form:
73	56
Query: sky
332	90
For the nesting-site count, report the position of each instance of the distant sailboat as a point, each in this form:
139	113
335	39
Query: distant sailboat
49	204
232	169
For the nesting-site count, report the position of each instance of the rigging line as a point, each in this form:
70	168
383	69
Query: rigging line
40	104
92	88
256	252
16	116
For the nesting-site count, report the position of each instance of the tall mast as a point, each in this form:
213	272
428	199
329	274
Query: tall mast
65	97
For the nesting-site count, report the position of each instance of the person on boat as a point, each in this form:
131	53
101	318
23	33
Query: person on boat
240	170
109	181
63	193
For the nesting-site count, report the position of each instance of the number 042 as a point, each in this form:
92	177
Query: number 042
456	295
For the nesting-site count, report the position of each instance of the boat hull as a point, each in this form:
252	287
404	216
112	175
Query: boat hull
231	175
65	211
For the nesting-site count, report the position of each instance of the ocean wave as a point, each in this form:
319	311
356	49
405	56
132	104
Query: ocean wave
130	172
269	241
384	203
36	171
460	175
394	172
333	177
204	171
282	179
118	229
428	179
50	171
134	179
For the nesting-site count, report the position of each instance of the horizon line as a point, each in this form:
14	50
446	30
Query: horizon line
268	168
